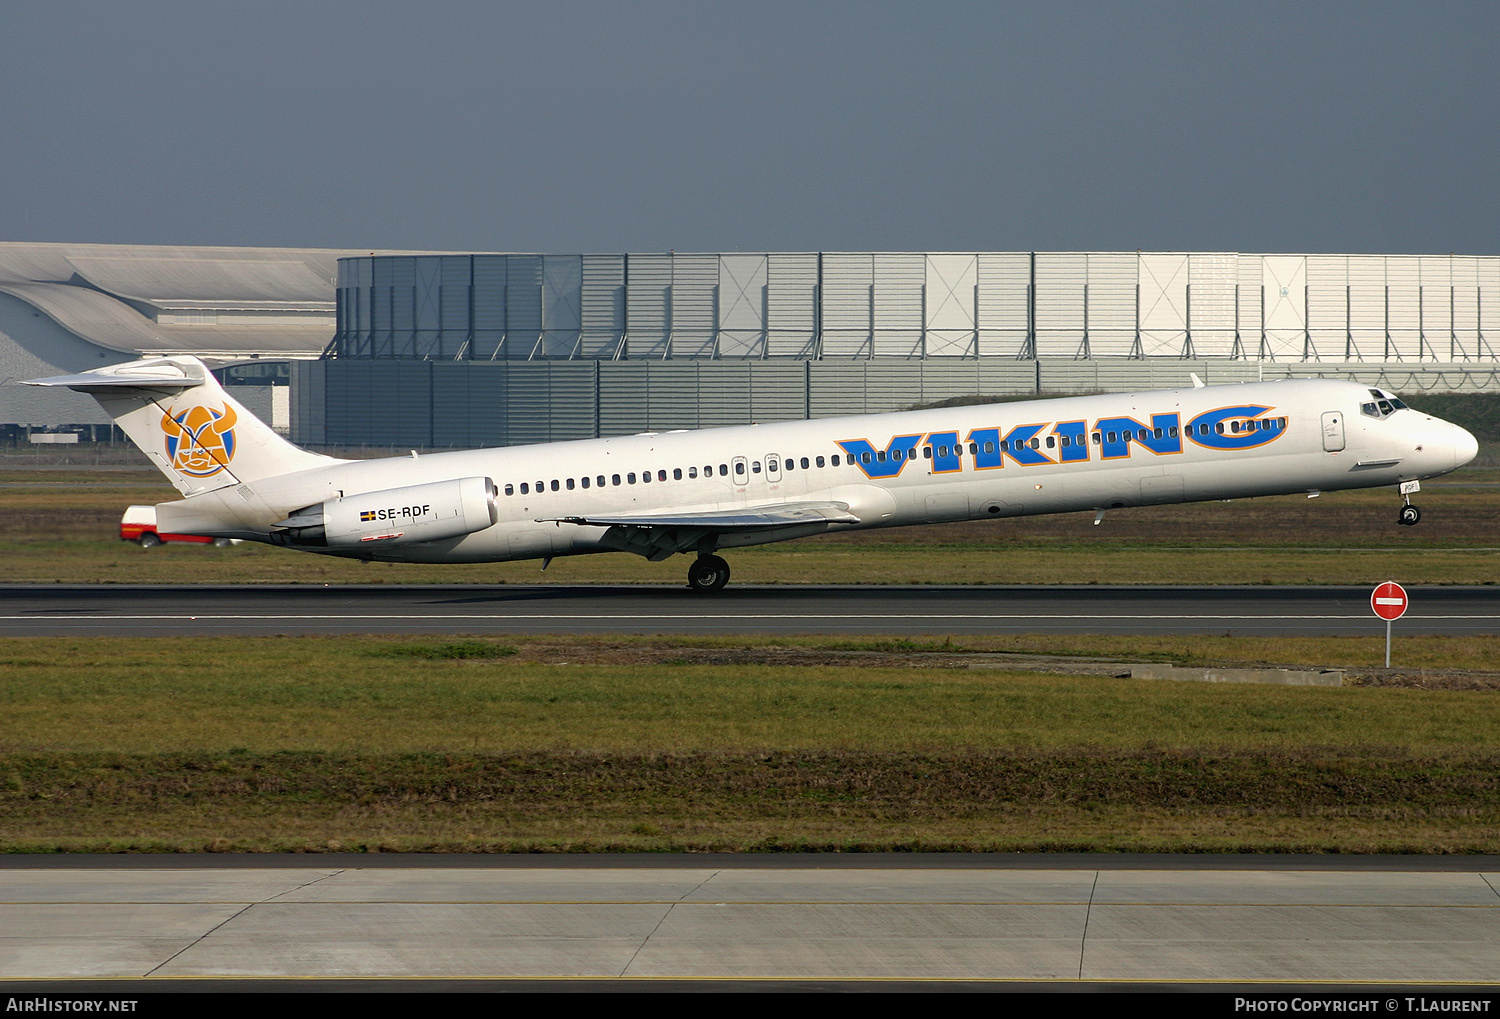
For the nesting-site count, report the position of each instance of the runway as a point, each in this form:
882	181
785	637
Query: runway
1044	922
109	610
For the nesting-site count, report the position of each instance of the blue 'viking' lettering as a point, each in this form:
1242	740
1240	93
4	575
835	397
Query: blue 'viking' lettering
1228	428
1118	433
1234	428
945	452
885	463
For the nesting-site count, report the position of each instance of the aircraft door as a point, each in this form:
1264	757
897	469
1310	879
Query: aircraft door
773	467
1333	431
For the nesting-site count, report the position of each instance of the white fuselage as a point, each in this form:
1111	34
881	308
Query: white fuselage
960	463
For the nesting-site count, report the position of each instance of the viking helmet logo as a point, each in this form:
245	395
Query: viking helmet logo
200	440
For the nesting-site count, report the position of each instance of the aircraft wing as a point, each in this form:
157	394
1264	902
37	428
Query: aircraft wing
659	535
749	519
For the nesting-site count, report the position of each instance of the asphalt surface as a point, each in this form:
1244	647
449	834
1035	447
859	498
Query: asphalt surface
108	610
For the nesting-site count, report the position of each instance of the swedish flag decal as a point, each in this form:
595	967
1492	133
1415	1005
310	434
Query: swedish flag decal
366	515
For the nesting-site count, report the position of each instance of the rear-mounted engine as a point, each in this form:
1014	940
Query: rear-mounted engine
396	516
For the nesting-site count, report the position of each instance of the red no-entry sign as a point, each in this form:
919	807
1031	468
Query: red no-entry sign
1388	601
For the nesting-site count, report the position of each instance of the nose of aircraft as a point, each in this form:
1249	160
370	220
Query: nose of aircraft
1465	446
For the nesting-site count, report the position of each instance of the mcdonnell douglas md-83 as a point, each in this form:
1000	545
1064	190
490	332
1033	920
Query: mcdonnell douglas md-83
699	492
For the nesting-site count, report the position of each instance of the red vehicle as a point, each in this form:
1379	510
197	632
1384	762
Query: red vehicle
139	525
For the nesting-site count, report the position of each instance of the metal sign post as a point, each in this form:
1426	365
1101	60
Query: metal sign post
1388	601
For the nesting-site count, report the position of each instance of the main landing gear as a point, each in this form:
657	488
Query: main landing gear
1409	513
708	573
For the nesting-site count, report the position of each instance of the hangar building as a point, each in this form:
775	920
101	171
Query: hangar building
493	349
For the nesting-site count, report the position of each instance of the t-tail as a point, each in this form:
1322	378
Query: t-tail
178	414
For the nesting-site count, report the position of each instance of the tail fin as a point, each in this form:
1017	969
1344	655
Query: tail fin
180	417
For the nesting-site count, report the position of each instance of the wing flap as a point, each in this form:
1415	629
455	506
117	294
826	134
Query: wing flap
751	518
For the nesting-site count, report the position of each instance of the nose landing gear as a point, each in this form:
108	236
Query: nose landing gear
708	573
1409	513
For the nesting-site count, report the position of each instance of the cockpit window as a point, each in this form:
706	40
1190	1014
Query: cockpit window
1383	406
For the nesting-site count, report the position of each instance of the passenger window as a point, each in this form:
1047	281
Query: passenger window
1112	437
600	481
864	458
739	468
692	472
615	479
1172	431
525	489
791	464
835	460
585	482
973	449
805	464
661	475
555	485
927	452
570	484
676	473
723	470
630	478
1051	442
510	489
1036	443
989	447
1159	433
1066	442
1219	428
880	456
943	452
541	486
819	461
754	466
1097	438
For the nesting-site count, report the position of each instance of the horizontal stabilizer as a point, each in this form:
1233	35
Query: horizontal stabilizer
103	380
748	519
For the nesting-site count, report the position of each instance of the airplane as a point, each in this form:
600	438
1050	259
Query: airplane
660	494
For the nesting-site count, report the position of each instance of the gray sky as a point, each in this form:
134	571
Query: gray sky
640	126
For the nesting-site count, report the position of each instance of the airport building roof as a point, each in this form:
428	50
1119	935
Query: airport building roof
217	302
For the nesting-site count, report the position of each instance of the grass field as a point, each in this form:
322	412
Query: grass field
571	744
62	526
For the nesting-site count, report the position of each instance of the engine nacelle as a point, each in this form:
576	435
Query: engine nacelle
396	516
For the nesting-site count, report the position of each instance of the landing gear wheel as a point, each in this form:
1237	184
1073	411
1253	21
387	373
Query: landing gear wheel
707	574
148	540
1410	515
